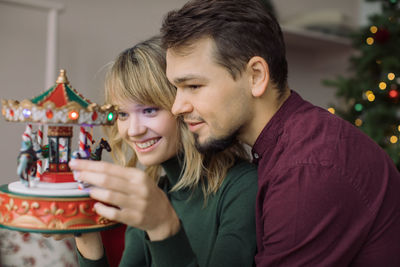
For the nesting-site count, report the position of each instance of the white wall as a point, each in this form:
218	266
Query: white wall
91	34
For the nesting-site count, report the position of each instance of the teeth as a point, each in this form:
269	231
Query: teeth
147	144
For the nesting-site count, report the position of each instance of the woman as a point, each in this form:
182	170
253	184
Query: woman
201	213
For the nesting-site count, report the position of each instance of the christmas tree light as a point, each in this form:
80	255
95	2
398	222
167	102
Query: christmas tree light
371	92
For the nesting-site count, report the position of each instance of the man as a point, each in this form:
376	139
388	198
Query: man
328	195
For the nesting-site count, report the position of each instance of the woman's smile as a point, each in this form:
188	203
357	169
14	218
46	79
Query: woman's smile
146	145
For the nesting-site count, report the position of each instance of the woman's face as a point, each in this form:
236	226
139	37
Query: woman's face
152	132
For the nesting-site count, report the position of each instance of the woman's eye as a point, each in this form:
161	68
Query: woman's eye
150	111
122	116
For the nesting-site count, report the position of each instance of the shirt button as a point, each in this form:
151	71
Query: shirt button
256	156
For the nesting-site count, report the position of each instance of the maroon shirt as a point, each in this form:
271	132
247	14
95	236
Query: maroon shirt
328	195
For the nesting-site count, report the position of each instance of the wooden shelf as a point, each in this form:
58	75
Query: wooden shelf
45	4
307	39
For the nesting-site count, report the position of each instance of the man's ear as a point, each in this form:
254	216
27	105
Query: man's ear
259	75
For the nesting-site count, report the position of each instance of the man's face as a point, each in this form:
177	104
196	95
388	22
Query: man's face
214	105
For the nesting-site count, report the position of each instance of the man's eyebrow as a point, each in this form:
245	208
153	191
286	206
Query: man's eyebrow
189	77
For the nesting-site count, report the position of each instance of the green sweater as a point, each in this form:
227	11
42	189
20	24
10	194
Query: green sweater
220	234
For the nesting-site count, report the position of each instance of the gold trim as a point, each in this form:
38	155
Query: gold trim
72	222
52	198
103	220
74	211
60	115
28	221
62	77
35	205
83	207
10	206
55	224
25	207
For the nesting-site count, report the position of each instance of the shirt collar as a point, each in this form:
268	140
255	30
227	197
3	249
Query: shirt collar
268	138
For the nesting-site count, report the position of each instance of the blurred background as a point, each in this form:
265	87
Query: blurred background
38	37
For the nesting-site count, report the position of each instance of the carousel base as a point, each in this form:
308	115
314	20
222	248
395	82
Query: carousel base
51	211
47	189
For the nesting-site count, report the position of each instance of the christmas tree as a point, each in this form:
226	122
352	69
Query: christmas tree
371	95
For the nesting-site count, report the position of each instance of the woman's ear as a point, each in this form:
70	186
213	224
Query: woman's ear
259	75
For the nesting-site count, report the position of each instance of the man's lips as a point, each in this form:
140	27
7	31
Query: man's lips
194	125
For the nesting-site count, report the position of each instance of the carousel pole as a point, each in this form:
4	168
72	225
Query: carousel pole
82	141
83	152
27	137
28	130
39	170
89	136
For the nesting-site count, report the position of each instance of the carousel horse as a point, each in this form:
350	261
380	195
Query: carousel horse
103	144
81	154
96	155
42	152
26	161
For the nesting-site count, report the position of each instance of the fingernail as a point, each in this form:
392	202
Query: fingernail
72	163
84	187
76	174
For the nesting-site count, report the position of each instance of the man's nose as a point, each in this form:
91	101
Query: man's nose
182	104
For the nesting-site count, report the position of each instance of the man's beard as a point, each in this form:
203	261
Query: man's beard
215	145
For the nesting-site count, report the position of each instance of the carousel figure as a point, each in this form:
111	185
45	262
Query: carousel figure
47	198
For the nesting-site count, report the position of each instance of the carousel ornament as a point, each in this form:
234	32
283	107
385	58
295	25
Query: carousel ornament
46	181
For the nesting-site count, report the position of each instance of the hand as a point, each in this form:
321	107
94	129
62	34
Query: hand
136	198
58	236
88	244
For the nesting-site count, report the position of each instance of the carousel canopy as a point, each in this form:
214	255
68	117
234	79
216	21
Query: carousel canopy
61	104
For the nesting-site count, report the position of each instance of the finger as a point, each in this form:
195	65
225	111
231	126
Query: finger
61	236
108	212
114	183
103	167
128	217
110	197
57	236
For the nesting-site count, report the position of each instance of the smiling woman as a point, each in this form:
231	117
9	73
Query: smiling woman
201	212
150	131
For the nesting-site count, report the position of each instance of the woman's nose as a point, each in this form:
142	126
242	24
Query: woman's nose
136	127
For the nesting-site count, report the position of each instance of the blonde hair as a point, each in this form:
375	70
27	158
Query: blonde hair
138	74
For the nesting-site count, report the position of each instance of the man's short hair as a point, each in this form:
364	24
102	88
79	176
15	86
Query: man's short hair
240	29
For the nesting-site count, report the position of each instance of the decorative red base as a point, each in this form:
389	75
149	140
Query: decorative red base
41	214
57	177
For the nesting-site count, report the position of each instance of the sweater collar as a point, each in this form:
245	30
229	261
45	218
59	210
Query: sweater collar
173	169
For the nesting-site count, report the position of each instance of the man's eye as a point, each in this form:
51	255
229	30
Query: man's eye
122	116
193	86
150	111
